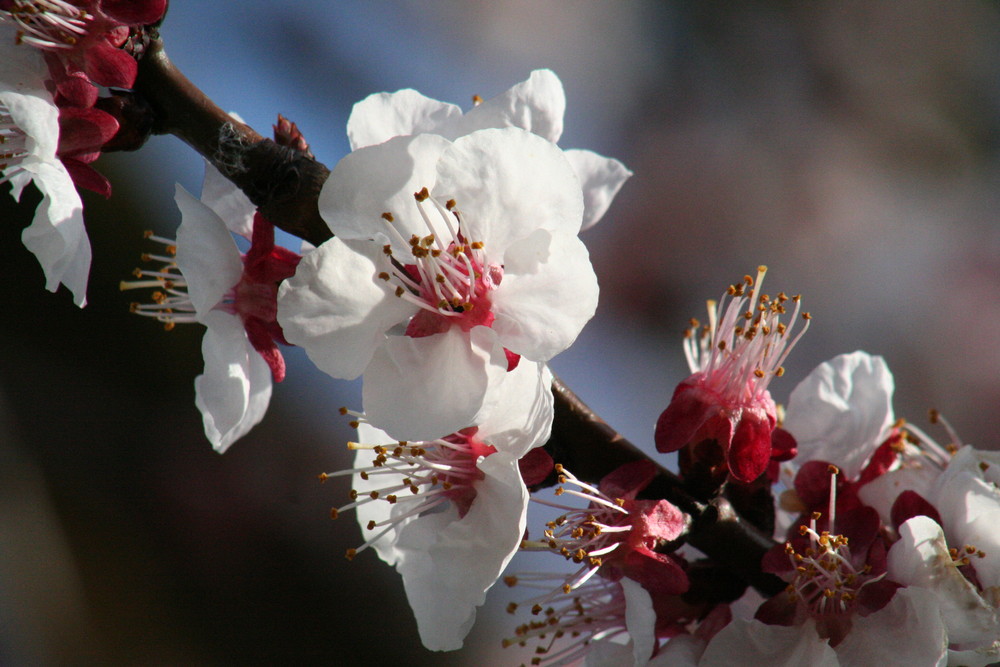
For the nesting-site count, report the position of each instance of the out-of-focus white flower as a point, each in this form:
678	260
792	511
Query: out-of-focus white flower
451	261
606	623
907	631
536	105
640	622
450	513
751	642
923	558
967	495
842	411
29	140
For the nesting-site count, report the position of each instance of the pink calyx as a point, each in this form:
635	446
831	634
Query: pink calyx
255	297
732	360
616	535
457	299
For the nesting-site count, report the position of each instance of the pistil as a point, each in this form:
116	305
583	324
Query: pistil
450	281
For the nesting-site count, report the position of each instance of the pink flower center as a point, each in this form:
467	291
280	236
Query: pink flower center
832	576
426	474
254	299
595	611
825	578
449	281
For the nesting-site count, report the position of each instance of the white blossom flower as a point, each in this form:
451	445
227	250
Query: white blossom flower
234	296
842	414
29	140
451	261
907	631
204	278
450	513
922	557
967	495
606	623
536	105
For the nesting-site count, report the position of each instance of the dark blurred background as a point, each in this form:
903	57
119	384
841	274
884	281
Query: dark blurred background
850	146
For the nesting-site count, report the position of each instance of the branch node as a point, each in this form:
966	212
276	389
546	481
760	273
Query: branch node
230	156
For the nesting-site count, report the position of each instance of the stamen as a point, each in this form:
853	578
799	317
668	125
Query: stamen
171	304
745	343
446	278
430	473
47	24
584	613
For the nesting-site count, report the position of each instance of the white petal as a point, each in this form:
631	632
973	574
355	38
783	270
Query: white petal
601	178
680	651
235	388
206	253
232	206
750	642
907	631
842	411
977	657
548	293
536	105
982	532
336	307
381	179
23	75
521	416
920	558
967	496
608	653
430	387
382	116
882	492
640	620
448	563
57	235
508	183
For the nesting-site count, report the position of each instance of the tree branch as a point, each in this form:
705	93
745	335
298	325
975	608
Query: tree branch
285	184
282	182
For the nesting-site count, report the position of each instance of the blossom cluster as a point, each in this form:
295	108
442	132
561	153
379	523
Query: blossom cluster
453	274
886	545
55	59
